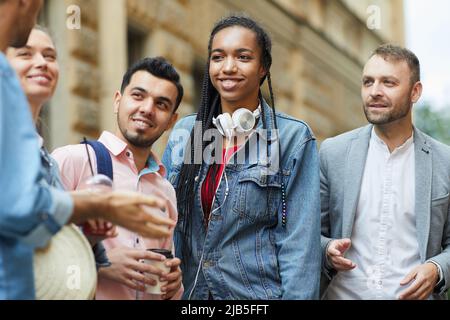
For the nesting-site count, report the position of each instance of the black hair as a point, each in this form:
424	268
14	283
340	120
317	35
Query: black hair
210	107
160	68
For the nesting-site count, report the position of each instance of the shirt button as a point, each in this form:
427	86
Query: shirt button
206	264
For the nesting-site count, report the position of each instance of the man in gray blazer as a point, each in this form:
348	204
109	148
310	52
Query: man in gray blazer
385	194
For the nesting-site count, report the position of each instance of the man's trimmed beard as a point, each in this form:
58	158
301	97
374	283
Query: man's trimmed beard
391	116
135	139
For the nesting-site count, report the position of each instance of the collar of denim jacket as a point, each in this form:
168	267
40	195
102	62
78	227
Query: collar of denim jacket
272	136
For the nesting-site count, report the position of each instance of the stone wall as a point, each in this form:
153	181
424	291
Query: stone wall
320	47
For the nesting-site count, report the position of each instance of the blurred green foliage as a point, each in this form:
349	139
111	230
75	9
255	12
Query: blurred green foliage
435	123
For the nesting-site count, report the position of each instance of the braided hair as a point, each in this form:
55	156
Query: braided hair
210	107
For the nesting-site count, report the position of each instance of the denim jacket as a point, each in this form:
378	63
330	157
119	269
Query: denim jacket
30	211
245	252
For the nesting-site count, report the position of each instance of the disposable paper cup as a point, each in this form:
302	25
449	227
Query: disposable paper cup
160	265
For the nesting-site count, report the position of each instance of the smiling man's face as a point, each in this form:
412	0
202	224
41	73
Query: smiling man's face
145	109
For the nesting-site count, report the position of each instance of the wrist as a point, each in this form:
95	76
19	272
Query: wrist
437	271
104	273
88	206
328	263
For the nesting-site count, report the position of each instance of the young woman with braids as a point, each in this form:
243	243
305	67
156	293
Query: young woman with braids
247	229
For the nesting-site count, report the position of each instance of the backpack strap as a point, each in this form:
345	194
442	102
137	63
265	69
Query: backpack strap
104	163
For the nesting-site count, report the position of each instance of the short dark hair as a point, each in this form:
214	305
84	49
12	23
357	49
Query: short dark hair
397	53
160	68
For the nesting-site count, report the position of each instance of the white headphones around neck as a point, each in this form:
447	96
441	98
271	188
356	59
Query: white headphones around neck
241	122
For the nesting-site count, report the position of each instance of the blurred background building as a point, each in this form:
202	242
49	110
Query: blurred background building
319	49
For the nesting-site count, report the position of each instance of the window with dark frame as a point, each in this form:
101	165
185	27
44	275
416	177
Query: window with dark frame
135	44
198	72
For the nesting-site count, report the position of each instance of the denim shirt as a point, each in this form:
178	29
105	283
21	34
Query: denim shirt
245	252
31	211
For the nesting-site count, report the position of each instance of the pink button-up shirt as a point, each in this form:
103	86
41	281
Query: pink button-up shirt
75	170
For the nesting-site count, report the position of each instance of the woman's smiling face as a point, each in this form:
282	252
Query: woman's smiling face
235	67
36	66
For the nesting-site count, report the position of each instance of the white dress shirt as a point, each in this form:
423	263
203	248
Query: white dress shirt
384	237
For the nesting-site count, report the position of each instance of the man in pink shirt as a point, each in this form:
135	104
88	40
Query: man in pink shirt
146	107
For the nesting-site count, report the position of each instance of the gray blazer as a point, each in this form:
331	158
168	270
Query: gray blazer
342	161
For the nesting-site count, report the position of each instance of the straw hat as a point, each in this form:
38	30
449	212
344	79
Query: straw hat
65	269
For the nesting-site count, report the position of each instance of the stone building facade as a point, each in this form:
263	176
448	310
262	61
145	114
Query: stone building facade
319	49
